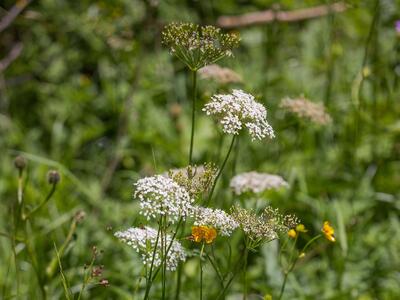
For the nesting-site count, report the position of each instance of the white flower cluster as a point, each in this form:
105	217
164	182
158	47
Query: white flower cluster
256	182
220	74
144	240
215	218
237	110
159	195
306	109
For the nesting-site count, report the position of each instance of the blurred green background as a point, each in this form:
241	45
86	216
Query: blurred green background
94	95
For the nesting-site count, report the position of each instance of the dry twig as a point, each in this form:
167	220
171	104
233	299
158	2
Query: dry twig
270	15
13	13
11	56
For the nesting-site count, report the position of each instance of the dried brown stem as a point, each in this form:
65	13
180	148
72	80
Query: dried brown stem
11	56
270	15
13	13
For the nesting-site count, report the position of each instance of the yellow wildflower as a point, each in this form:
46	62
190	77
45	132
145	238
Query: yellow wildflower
328	231
292	233
197	233
200	233
301	228
302	254
209	235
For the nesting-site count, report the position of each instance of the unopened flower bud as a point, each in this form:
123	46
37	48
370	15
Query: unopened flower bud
79	216
175	110
20	162
53	177
104	282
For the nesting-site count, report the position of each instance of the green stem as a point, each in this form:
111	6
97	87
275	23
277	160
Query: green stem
290	268
53	189
149	280
54	262
220	170
179	273
33	257
215	267
86	278
294	263
245	287
163	255
235	157
236	270
194	94
169	247
201	272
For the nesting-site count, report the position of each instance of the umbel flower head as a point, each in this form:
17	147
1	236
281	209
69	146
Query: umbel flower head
161	196
144	241
264	227
220	74
198	46
195	179
256	182
215	218
238	110
203	234
306	109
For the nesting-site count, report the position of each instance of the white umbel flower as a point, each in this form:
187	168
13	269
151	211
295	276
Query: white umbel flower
215	218
256	182
159	195
220	74
144	240
238	110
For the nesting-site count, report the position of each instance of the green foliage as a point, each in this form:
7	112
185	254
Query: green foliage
95	96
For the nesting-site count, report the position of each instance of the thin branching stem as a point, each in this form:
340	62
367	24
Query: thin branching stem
292	265
194	95
220	170
44	202
201	271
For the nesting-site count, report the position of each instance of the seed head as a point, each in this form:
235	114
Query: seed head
20	162
53	177
264	227
198	46
79	216
195	179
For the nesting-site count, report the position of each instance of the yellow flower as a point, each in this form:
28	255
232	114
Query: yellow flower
292	233
302	254
209	235
200	233
197	233
301	228
328	231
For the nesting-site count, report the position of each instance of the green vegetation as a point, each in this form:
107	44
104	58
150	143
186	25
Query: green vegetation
92	100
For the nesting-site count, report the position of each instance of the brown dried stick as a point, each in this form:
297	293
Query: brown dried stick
13	13
268	16
11	56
